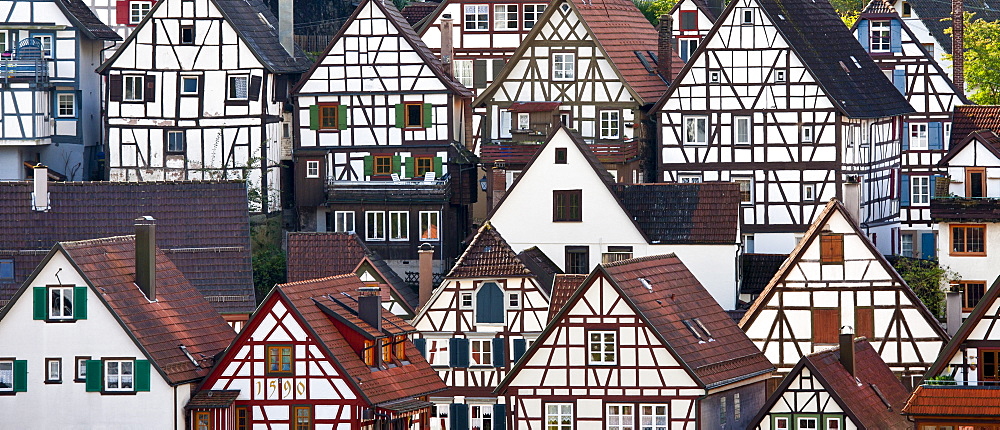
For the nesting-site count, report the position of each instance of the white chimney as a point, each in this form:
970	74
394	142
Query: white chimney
286	23
40	198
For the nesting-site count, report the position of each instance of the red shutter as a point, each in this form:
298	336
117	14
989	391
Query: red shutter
122	10
864	322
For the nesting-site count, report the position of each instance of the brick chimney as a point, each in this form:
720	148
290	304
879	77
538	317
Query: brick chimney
958	44
847	349
370	306
447	47
665	47
145	256
40	196
498	183
425	270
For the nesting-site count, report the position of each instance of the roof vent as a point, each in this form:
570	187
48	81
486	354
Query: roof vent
781	17
645	283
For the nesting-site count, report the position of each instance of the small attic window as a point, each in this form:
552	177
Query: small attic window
564	7
856	62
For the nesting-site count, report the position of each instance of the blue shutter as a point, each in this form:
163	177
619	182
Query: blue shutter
499	356
933	186
462	353
906	136
500	416
421	345
489	304
459	416
928	249
904	190
520	346
899	80
895	28
935	136
863	34
453	352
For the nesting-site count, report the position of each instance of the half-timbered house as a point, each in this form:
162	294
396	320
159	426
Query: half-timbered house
593	219
929	21
197	92
475	326
926	132
640	344
848	387
782	99
381	141
692	20
50	97
834	278
946	407
318	354
106	334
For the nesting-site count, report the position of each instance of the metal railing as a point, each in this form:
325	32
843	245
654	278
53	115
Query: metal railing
36	71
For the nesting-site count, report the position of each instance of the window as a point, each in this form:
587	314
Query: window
463	72
564	119
696	130
175	141
477	17
329	116
920	190
687	47
53	370
746	190
742	130
6	375
343	222
399	223
833	423
930	48
603	347
241	418
133	89
137	10
437	351
187	35
809	192
381	165
189	85
620	417
831	248
559	416
968	239
531	14
748	243
975	182
312	169
81	369
513	300
807	133
429	222
481	352
567	205
387	351
714	76
368	353
880	36
563	66
781	423
119	375
907	10
504	17
60	303
806	423
577	259
610	124
989	361
972	293
653	417
779	75
689	179
3	41
481	417
279	360
302	418
399	343
466	300
490	304
202	421
722	411
746	16
560	155
523	121
906	245
918	136
239	87
689	20
66	105
414	115
616	253
825	325
375	225
422	165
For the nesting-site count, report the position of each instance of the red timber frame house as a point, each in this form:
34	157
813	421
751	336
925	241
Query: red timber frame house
321	353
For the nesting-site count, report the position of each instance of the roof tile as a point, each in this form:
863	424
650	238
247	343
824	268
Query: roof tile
488	255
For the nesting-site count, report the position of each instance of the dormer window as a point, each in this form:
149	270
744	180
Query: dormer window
399	344
881	36
368	353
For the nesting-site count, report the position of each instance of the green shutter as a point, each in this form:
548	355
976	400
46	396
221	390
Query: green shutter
342	117
369	165
95	376
395	164
20	376
314	117
400	116
41	310
80	303
428	115
141	375
410	168
437	167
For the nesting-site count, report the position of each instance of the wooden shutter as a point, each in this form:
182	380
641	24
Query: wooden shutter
149	95
314	117
826	325
899	80
500	416
895	35
459	416
904	190
906	136
421	345
20	376
400	116
95	376
935	138
520	346
489	304
80	303
410	168
40	303
342	117
499	356
428	115
462	353
479	74
437	167
369	165
122	11
116	86
864	322
254	91
280	88
863	34
396	163
831	248
497	67
141	373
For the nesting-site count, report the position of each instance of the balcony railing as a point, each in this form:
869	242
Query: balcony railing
31	71
388	191
964	209
520	153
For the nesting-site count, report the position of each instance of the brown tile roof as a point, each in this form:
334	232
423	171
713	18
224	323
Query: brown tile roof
863	401
563	288
541	266
675	296
179	316
488	255
684	213
202	226
954	401
213	399
318	255
970	118
312	300
415	11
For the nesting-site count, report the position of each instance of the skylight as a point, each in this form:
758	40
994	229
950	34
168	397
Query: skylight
646	284
699	330
856	62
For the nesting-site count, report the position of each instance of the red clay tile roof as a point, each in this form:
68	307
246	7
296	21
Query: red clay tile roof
210	399
318	255
863	402
676	296
541	266
563	288
956	401
971	118
488	255
684	213
385	385
179	316
415	11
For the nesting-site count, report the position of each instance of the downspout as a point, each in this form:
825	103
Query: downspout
175	407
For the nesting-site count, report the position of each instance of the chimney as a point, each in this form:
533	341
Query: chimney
40	198
953	311
852	199
665	47
447	47
958	45
286	25
145	256
426	272
847	349
498	183
370	306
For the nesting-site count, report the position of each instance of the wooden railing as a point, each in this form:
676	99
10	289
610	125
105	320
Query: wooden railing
616	152
520	153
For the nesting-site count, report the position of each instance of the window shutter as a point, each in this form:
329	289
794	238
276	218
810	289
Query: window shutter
396	163
497	67
116	86
935	136
461	353
80	303
928	249
453	352
906	136
437	167
499	354
41	302
369	165
895	34
254	91
141	375
428	115
95	376
149	95
400	116
899	80
314	117
479	74
421	345
864	323
410	168
122	11
20	376
459	416
826	325
520	346
933	186
904	190
342	117
500	416
863	34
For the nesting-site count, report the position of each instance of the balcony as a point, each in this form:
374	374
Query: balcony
20	71
421	191
964	209
521	153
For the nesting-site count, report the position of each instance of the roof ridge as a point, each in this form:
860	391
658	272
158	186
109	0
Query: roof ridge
99	240
638	260
316	280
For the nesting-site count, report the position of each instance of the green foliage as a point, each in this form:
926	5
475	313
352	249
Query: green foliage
941	380
850	17
653	9
982	59
844	7
268	269
400	4
927	279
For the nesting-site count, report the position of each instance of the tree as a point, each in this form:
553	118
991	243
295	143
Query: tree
268	269
982	59
927	279
654	9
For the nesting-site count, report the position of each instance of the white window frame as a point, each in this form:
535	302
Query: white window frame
748	243
654	419
687	46
59	313
602	343
66	105
798	423
343	221
523	121
137	84
400	231
47	42
534	11
880	36
466	301
947	134
920	190
700	132
504	11
746	16
809	192
480	17
619	416
749	181
906	244
430	218
481	416
3	41
137	10
481	350
81	368
559	413
184	79
438	351
563	66
780	75
807	134
172	144
233	89
918	135
375	225
714	76
115	381
312	169
53	370
464	73
611	124
513	300
689	178
7	374
744	136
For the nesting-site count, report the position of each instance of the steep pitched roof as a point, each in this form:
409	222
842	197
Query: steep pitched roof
987	138
878	7
314	255
488	255
971	118
954	401
416	11
935	15
541	266
203	226
988	301
684	213
85	21
563	288
314	301
704	7
756	270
